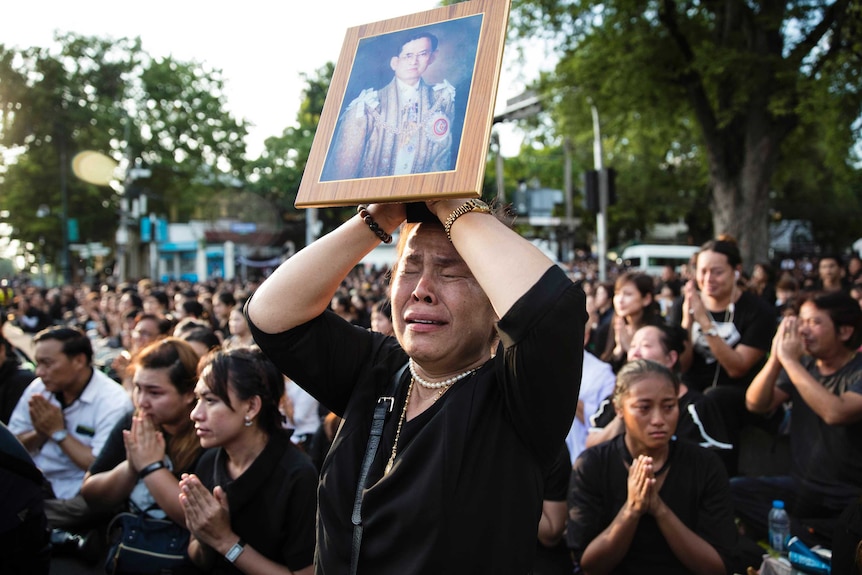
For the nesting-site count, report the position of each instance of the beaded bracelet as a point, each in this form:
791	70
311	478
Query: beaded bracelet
362	210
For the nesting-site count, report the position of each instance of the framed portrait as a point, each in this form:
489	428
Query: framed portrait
409	110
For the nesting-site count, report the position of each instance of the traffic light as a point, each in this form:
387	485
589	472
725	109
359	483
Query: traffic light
591	189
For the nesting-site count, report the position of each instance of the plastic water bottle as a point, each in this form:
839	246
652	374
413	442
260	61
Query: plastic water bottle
779	526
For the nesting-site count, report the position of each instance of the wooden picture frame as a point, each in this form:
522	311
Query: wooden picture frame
378	140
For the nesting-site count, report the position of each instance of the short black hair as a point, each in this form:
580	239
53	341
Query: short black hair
204	335
410	36
74	340
842	309
725	245
161	297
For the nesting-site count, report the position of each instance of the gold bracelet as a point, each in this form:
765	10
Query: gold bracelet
468	206
362	210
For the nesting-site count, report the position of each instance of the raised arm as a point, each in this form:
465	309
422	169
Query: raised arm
505	264
762	396
833	409
303	286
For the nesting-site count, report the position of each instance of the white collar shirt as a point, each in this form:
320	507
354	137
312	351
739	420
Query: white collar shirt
89	419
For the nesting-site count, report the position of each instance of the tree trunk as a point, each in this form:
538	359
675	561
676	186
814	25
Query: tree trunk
740	197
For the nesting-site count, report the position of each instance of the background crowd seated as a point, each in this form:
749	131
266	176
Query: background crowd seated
122	319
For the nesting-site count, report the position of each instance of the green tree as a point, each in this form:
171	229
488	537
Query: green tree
277	173
110	96
742	77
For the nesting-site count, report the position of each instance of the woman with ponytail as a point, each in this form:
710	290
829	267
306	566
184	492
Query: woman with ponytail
251	503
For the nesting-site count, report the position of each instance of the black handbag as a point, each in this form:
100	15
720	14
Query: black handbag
143	545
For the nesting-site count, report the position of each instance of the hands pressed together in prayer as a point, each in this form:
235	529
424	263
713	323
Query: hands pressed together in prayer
693	305
787	345
46	417
643	487
207	514
145	444
622	336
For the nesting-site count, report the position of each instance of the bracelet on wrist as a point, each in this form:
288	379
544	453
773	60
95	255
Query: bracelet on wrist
362	210
467	207
155	466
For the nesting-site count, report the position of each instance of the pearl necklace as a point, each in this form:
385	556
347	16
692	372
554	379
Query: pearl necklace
439	384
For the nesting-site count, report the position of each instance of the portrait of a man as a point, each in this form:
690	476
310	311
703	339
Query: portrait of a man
405	102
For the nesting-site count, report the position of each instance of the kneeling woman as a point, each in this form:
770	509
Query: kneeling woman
251	504
643	502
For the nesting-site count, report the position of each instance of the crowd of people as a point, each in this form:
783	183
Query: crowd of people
541	420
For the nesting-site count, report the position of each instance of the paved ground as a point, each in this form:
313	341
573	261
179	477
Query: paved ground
69	566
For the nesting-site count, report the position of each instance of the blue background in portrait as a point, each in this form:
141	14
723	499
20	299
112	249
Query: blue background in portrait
458	42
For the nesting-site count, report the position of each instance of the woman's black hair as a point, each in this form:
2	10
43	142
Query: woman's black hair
248	372
725	245
634	371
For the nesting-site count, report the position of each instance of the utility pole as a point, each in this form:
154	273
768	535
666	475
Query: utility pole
602	216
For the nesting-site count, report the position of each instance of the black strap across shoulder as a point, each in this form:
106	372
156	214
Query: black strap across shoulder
385	404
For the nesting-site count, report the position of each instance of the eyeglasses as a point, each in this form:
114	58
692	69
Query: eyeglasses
423	55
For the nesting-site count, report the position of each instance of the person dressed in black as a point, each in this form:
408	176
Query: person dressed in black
30	316
552	555
456	485
14	379
251	502
24	533
645	502
730	330
815	365
699	418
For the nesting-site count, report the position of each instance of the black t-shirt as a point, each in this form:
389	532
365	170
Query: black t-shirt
272	504
826	459
751	322
696	489
466	490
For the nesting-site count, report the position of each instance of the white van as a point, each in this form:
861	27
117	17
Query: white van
651	258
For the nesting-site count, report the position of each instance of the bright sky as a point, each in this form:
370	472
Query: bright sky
260	45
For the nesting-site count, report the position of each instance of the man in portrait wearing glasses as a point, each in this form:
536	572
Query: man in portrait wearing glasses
402	128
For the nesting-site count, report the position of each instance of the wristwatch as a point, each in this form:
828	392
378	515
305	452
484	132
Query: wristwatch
235	551
712	331
468	206
59	436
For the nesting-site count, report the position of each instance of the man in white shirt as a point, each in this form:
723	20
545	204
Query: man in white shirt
64	418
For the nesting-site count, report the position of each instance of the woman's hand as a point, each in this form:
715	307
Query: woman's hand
693	304
388	216
121	363
207	514
443	208
622	336
144	443
640	485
